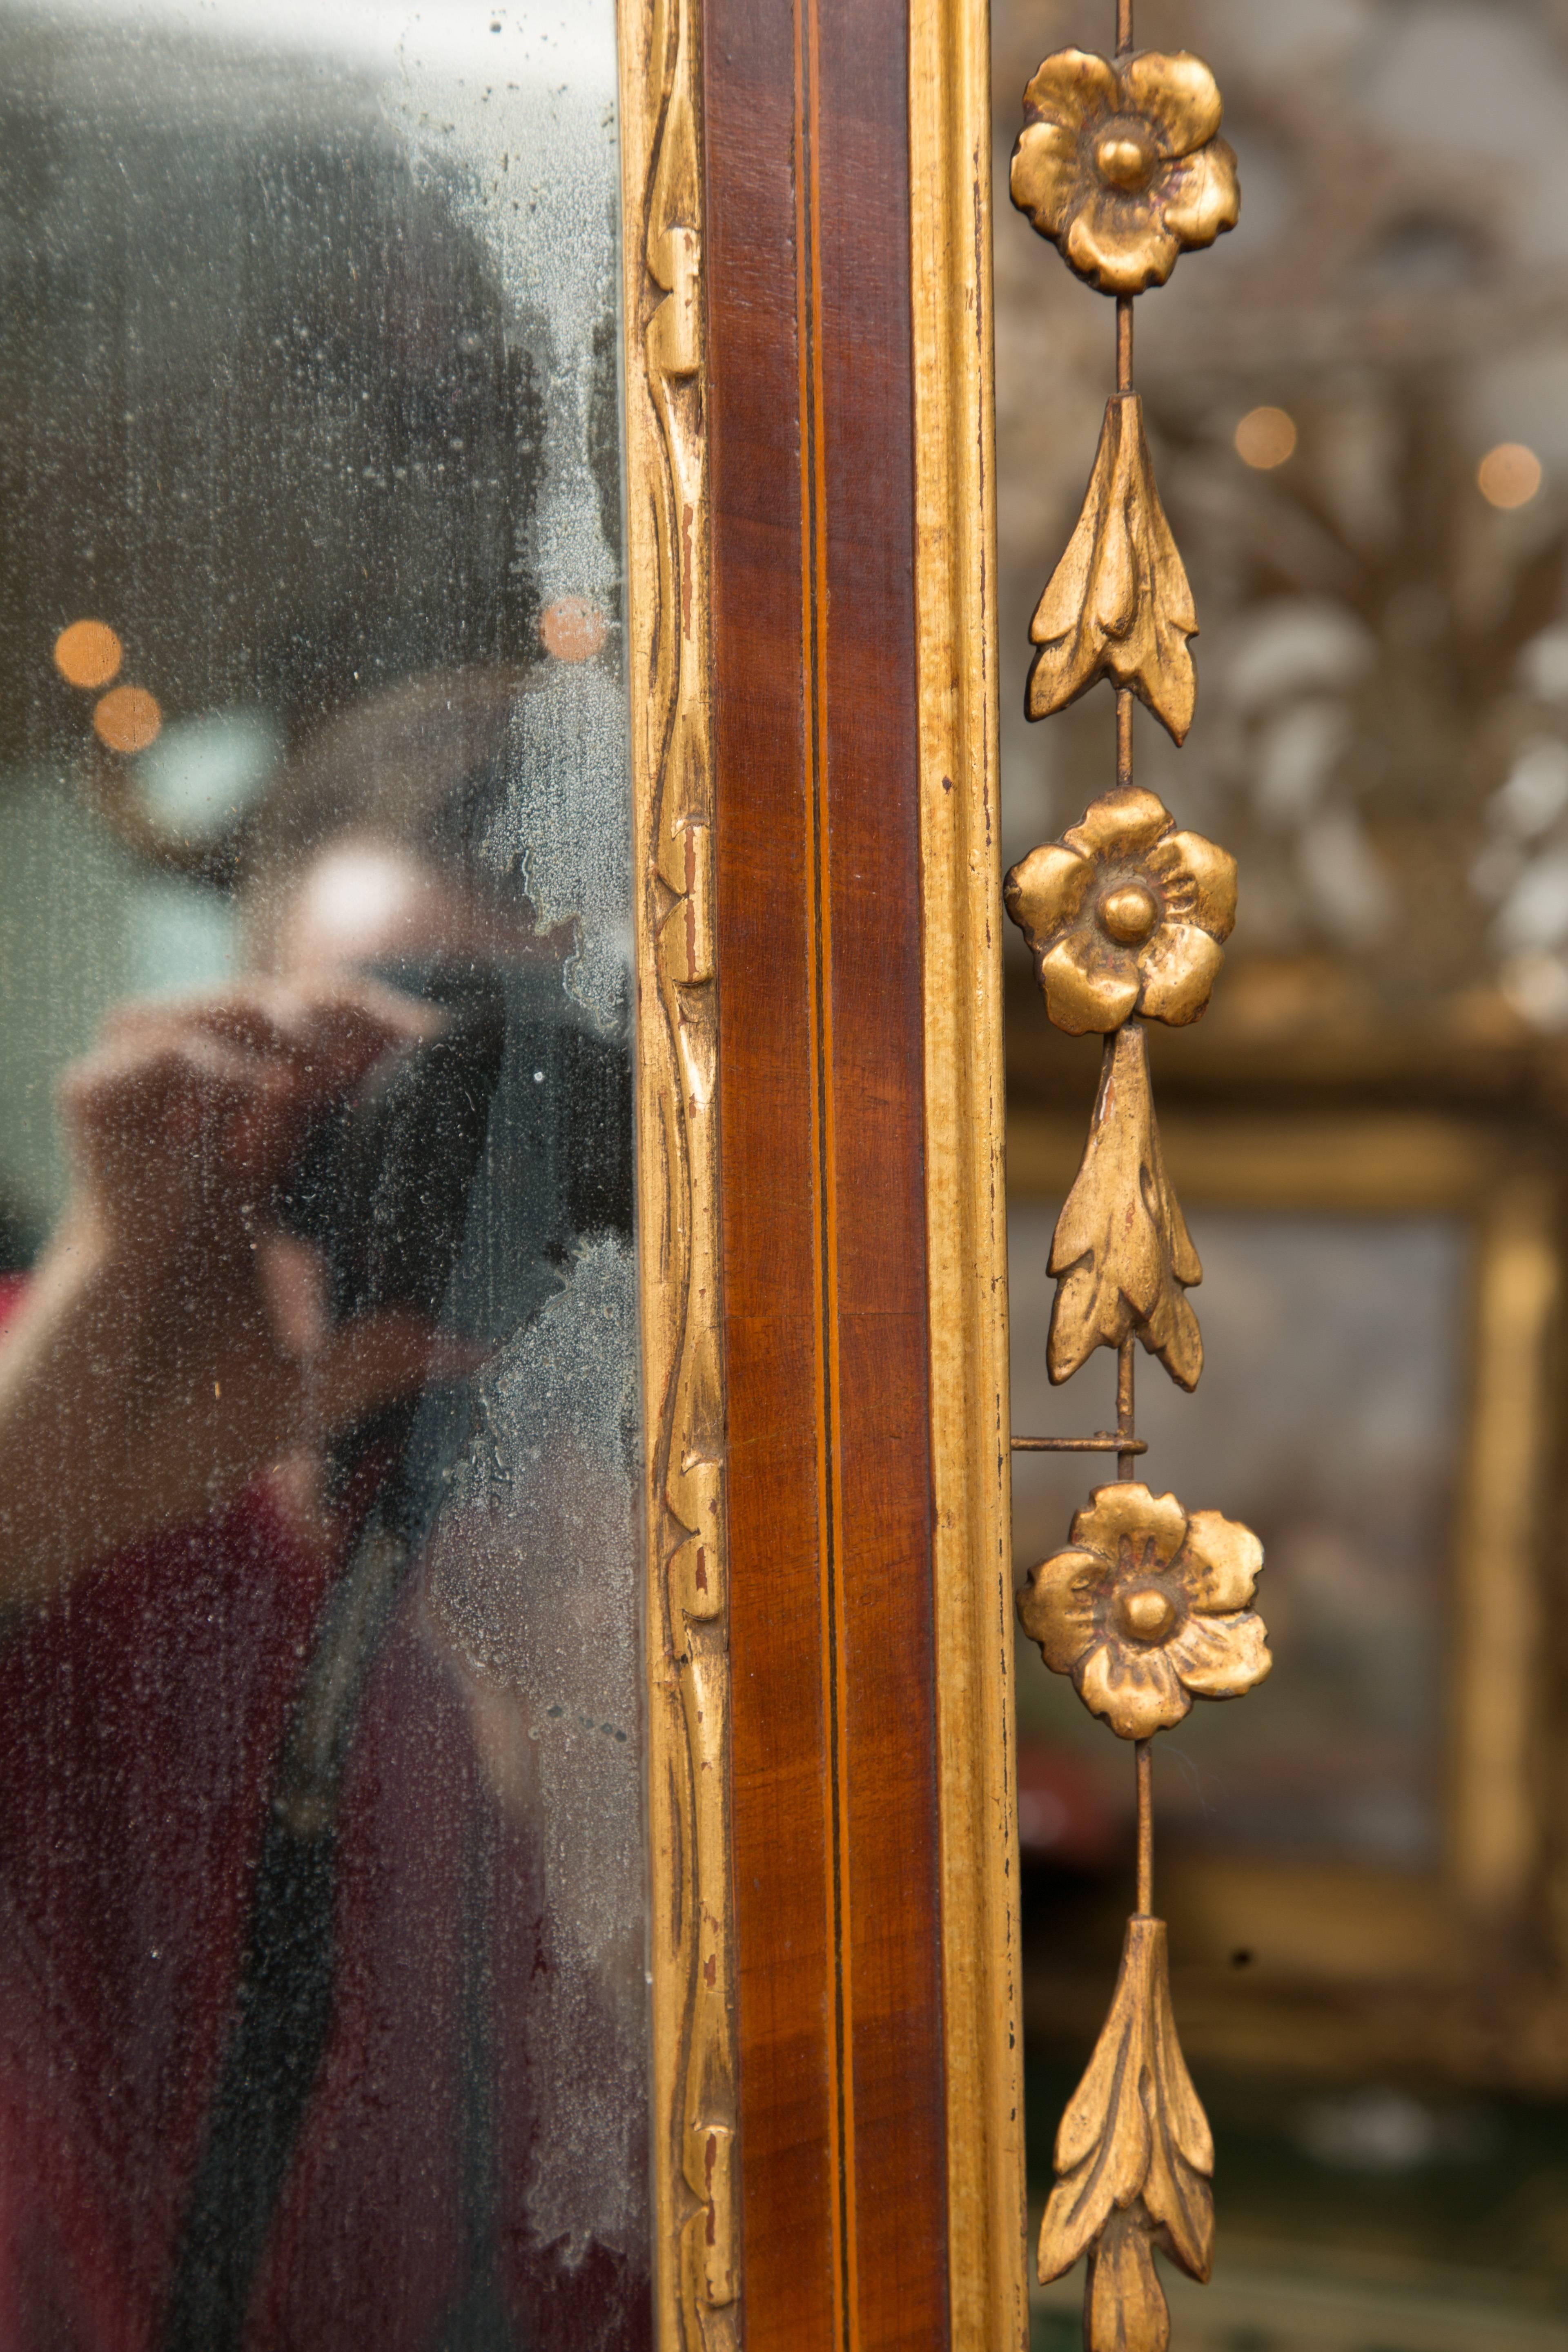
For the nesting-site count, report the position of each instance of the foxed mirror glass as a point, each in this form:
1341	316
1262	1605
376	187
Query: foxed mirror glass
322	1881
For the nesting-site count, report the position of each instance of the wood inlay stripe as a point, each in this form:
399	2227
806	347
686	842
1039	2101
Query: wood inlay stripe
821	1054
813	660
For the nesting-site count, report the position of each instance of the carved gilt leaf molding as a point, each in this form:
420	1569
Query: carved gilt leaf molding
1122	1251
1133	2155
1117	604
696	2180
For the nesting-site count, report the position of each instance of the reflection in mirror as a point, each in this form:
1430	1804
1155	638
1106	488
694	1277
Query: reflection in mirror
322	1984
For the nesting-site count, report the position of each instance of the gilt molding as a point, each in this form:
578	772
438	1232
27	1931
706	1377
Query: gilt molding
696	2180
966	1239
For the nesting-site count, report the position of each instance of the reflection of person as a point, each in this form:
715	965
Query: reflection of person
171	1537
168	1352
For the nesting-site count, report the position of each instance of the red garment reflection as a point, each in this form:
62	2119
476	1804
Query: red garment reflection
140	1720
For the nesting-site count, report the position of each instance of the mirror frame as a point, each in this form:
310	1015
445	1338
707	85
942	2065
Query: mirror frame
837	2135
693	2104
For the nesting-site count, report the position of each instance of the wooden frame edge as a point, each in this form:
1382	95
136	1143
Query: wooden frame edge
694	2154
950	177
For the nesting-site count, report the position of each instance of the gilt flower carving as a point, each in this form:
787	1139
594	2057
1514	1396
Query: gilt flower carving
1149	1607
1125	914
1118	165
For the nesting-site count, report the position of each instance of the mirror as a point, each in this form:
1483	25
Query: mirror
322	1878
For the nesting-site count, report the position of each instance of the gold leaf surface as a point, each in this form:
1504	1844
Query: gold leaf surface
1119	604
1124	2308
1122	1251
1133	2158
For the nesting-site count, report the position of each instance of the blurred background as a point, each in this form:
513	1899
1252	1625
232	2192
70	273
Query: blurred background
1358	408
308	377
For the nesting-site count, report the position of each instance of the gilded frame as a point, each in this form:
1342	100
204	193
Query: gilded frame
691	1942
695	2156
1448	1936
956	570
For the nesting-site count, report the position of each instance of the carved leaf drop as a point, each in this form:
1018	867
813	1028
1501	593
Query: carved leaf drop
1124	2308
1122	1251
1133	2160
1119	604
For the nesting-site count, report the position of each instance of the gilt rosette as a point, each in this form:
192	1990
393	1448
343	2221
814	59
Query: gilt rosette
1125	916
1149	1607
1120	165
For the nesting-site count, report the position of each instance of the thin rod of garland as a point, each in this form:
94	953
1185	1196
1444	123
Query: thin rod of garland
1119	163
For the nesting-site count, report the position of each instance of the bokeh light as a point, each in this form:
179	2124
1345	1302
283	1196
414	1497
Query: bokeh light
1509	475
1265	438
127	719
88	654
573	629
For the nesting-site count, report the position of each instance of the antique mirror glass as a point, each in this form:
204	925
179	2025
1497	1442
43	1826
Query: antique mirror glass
322	1979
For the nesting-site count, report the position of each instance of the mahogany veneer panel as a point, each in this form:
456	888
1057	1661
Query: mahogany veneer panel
820	1061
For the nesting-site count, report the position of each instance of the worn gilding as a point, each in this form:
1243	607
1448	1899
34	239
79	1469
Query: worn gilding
696	2152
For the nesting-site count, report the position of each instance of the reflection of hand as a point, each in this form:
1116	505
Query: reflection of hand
173	1344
